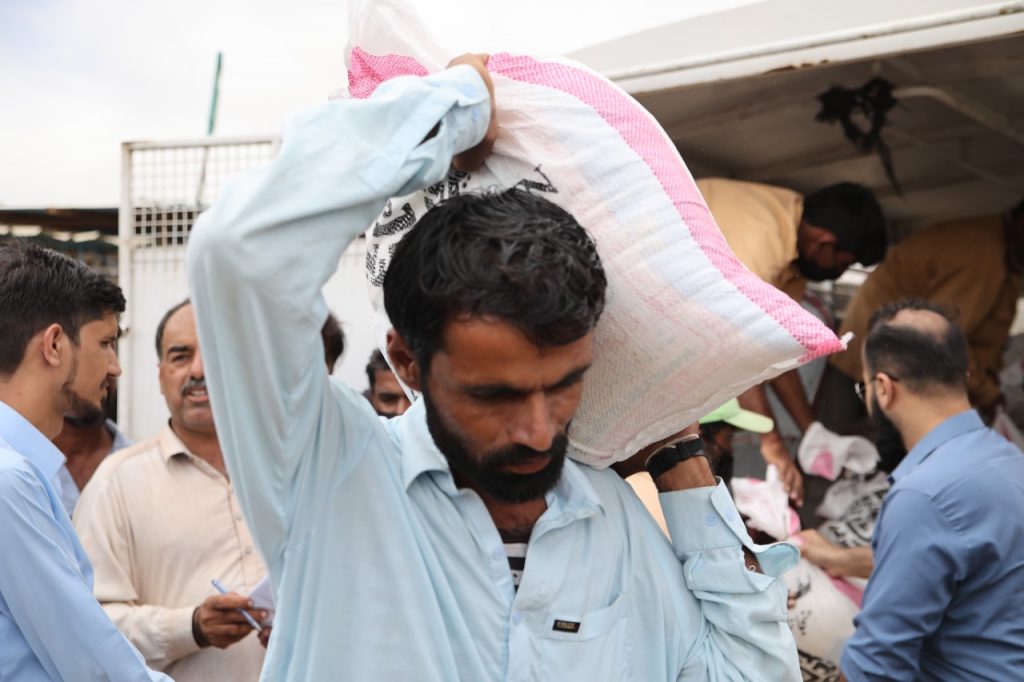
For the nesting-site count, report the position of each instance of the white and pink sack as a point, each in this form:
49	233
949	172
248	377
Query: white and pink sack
686	326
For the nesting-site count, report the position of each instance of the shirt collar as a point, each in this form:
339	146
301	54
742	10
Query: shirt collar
120	440
29	442
170	444
418	452
954	426
573	494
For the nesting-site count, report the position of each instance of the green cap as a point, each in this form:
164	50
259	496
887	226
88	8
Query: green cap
731	413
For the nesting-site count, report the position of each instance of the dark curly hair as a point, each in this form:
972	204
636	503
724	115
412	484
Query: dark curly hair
512	255
853	215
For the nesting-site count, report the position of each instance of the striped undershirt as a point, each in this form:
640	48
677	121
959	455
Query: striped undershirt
516	553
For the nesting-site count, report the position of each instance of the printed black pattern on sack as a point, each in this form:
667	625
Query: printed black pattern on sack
535	186
815	669
389	228
857	525
386	226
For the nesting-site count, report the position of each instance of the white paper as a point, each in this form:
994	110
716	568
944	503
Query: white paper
263	598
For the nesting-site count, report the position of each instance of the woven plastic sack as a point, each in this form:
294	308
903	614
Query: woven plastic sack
822	617
686	326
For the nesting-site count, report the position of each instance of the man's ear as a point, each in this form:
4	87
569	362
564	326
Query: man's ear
885	390
54	345
403	360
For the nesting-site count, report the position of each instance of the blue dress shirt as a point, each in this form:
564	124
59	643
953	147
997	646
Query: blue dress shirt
946	598
51	626
383	569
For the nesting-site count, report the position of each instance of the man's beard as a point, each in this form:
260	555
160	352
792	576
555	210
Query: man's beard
889	441
80	412
815	272
487	471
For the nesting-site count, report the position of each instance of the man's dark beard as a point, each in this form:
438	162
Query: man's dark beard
815	272
86	417
889	441
487	472
80	412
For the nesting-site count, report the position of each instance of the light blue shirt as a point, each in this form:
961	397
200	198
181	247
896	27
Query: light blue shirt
383	568
51	626
946	598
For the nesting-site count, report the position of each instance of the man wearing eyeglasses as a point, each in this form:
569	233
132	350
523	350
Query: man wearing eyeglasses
945	597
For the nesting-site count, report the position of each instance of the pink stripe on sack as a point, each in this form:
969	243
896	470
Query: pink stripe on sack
368	71
646	138
849	590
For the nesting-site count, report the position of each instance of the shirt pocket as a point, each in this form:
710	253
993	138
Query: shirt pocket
590	647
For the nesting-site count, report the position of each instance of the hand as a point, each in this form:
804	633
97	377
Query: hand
216	623
819	551
264	635
774	452
471	159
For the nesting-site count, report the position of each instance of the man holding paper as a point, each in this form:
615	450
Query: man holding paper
160	521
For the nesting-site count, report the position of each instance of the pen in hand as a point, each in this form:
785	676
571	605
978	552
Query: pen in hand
220	587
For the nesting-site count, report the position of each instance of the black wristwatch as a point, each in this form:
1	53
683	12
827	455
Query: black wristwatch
666	458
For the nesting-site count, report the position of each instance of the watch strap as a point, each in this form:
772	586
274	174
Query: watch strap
666	458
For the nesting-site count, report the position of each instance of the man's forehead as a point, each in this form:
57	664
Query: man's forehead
180	328
489	351
386	378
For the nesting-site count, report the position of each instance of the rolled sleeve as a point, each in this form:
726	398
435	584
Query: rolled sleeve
745	611
709	536
468	121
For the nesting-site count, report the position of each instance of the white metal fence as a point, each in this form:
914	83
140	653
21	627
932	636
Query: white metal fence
164	187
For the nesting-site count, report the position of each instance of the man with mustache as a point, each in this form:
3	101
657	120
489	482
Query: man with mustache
944	598
160	520
395	546
58	330
786	238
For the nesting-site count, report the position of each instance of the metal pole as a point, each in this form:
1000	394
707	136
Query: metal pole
125	247
210	126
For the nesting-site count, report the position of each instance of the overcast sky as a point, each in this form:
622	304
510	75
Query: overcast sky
78	77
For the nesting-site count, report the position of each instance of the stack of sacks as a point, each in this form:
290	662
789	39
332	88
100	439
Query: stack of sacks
686	326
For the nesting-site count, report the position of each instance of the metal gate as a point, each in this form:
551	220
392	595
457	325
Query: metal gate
164	187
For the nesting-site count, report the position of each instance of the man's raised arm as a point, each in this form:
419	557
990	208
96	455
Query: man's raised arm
260	255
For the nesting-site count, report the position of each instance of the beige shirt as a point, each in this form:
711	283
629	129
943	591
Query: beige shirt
960	265
159	524
759	223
